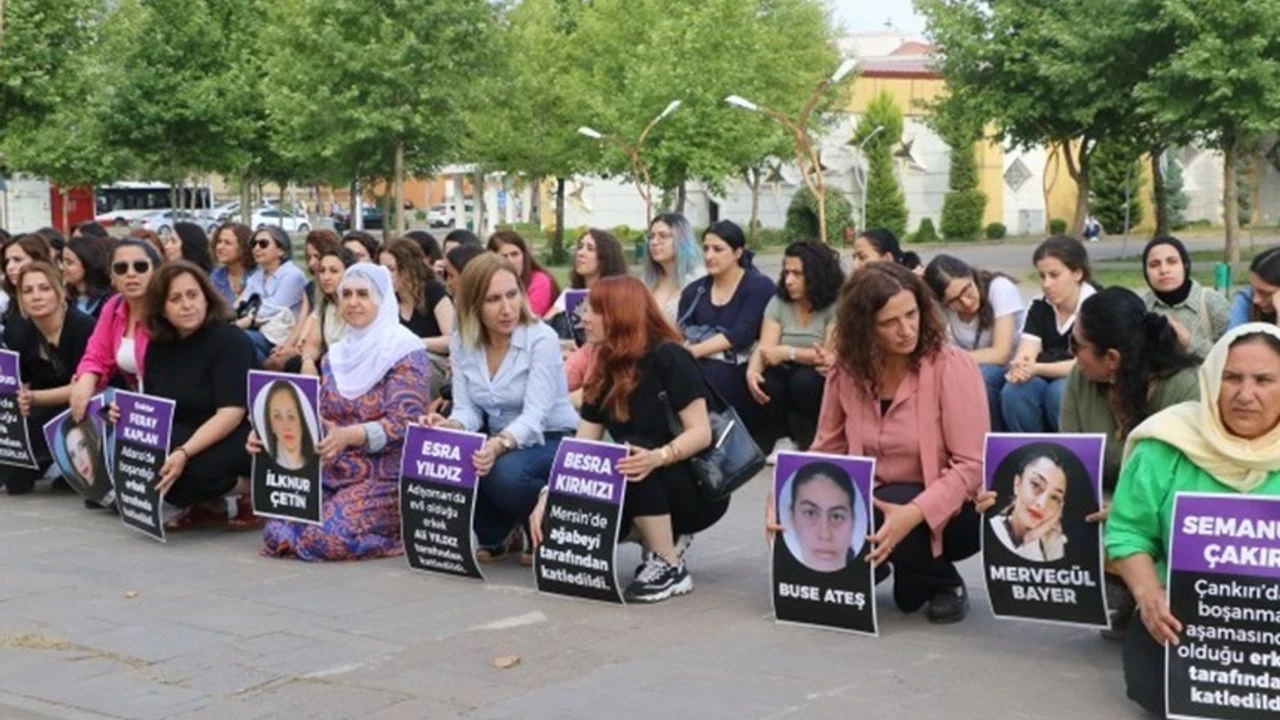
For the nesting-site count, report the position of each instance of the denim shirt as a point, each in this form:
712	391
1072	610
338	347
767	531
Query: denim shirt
527	397
282	291
1240	307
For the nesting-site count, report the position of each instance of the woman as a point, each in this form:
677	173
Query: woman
1031	400
640	359
280	289
198	360
781	374
370	391
881	244
1197	314
1259	301
117	350
189	242
49	343
149	237
1030	526
540	287
720	318
290	439
900	393
233	249
426	242
821	518
86	273
671	261
425	307
984	312
1224	443
19	252
287	355
324	326
598	254
362	245
508	380
455	262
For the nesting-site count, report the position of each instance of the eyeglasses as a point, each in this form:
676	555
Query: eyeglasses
262	244
968	293
122	267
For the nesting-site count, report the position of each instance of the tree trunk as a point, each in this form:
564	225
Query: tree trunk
357	206
386	211
477	190
246	200
1158	192
397	189
535	202
1230	211
1078	168
754	176
557	238
682	195
66	212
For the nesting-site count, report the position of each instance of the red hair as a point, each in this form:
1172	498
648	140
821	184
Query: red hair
633	325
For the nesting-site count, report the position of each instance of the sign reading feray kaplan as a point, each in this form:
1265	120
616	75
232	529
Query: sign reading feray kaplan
286	474
1224	587
438	500
15	438
141	447
578	554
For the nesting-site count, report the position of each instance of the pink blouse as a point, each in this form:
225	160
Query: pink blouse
933	433
100	354
578	366
541	293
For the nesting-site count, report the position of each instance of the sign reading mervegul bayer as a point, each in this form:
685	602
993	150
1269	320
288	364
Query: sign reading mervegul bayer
438	500
142	444
578	555
1224	587
15	439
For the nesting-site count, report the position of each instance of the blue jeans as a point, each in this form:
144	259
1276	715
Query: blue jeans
510	490
993	376
262	347
1033	406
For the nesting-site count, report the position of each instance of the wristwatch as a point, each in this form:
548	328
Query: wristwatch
506	442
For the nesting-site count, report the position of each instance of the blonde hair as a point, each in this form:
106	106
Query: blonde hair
50	272
473	288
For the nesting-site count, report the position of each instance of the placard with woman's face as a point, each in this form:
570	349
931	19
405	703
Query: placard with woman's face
79	450
284	411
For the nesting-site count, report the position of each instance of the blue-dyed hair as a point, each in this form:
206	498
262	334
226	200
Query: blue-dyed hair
688	254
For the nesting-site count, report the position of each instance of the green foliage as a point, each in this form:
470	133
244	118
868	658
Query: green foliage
802	216
964	206
996	231
886	205
1244	191
1117	169
926	233
1057	226
1176	199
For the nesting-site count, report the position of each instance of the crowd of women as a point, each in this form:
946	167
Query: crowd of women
894	361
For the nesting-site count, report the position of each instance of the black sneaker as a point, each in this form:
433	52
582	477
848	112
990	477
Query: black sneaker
682	548
948	606
657	581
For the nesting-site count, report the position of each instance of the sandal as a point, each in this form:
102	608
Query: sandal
196	517
245	520
513	543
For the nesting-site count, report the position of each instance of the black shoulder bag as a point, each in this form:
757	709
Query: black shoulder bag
733	457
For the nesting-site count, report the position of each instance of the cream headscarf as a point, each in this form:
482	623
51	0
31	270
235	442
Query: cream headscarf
1196	427
363	356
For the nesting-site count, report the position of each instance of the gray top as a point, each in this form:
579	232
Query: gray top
1205	314
793	333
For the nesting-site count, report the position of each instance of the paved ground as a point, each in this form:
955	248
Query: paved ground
97	622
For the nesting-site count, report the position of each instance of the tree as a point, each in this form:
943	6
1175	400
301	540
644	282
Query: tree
802	216
1222	83
1175	197
960	126
1117	178
886	205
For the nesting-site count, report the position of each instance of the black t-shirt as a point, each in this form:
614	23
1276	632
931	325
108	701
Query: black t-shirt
667	368
1042	322
38	370
201	373
424	325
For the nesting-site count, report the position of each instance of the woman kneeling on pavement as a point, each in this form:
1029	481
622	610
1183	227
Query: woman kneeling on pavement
899	392
371	389
640	359
1226	442
508	382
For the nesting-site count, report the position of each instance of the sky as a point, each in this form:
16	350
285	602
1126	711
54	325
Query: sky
870	15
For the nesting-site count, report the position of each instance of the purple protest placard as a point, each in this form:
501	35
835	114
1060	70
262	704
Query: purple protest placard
15	435
82	451
1042	558
578	554
287	481
438	500
820	573
141	447
1224	587
573	306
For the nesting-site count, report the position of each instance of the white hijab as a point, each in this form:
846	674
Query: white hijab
363	356
1196	427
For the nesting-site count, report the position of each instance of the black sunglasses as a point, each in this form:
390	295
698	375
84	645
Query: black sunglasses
262	244
122	267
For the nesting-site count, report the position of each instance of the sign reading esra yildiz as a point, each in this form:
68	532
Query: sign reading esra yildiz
141	447
438	500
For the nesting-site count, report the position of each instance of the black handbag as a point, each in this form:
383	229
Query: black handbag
733	457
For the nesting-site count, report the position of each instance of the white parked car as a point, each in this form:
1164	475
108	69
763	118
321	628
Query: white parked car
284	220
161	221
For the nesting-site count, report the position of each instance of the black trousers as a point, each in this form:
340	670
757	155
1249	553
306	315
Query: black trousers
672	490
917	574
1144	668
795	396
214	472
22	480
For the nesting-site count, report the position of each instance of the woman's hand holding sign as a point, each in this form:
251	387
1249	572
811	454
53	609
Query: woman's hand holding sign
899	520
172	469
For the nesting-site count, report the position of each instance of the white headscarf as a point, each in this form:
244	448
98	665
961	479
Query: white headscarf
1196	428
363	356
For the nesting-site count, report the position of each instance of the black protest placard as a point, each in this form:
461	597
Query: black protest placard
82	451
141	447
578	554
820	572
287	482
1041	558
15	437
438	500
1224	587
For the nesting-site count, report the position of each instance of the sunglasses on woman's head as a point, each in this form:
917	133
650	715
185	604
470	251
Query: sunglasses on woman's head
122	267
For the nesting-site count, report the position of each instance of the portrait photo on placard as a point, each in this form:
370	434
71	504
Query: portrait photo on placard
78	452
824	517
1044	492
288	427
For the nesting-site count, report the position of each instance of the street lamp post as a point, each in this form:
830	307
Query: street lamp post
639	171
805	153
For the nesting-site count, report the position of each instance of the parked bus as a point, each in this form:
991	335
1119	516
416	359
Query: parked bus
123	203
